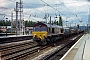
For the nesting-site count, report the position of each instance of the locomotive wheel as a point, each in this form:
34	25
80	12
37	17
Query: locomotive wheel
48	40
41	42
44	42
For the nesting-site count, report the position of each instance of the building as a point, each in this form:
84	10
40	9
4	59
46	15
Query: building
28	30
4	28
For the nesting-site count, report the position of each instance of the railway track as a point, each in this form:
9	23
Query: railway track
28	49
52	49
64	48
47	52
12	50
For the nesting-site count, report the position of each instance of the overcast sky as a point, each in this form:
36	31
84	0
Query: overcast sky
72	11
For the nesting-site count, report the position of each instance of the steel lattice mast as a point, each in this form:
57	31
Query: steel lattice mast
20	27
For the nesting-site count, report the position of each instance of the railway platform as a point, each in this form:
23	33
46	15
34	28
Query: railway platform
14	36
80	50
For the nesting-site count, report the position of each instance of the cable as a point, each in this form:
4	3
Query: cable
49	4
13	1
66	8
30	14
52	7
70	11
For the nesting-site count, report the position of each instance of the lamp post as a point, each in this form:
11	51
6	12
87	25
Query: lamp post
80	23
6	26
87	27
66	23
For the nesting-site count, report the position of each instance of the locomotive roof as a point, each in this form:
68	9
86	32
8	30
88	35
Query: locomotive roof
54	25
39	24
47	25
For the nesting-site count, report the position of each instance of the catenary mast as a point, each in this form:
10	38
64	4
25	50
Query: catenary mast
19	22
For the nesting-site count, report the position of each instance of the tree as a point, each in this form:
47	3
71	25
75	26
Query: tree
5	23
29	23
8	23
60	21
2	23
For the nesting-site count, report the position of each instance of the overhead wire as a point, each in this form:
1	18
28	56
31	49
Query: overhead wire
3	9
66	8
41	4
31	14
70	11
52	7
35	12
44	9
7	8
13	1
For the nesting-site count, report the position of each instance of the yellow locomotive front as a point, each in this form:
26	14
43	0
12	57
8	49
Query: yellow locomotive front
40	33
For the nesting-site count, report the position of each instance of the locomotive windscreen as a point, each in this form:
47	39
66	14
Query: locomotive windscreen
43	29
36	28
40	29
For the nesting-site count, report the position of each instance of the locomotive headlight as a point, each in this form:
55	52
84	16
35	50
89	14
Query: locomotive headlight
34	35
44	35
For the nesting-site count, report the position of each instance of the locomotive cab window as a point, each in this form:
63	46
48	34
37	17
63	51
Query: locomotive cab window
36	28
43	29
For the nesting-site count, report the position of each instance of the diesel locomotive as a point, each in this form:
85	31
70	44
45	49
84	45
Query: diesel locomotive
44	33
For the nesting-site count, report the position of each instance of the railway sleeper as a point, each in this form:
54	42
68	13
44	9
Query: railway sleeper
11	51
17	54
11	45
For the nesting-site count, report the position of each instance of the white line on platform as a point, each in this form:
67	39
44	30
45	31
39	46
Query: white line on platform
70	49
